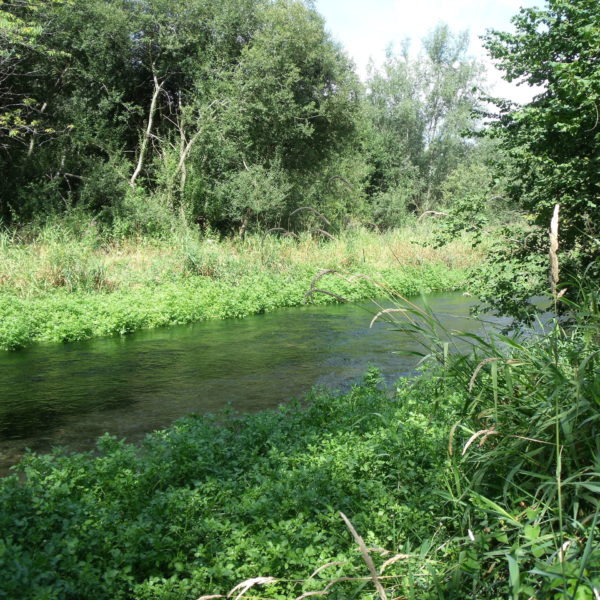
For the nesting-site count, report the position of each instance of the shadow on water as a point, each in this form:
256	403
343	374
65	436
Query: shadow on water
70	395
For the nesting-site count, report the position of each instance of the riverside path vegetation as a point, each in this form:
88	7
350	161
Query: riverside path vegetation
167	161
477	480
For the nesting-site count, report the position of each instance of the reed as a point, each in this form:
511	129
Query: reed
553	252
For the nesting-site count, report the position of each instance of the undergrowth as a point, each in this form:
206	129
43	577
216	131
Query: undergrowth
525	455
478	480
207	503
62	283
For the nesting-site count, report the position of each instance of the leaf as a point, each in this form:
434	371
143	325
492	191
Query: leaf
514	576
491	505
593	487
531	532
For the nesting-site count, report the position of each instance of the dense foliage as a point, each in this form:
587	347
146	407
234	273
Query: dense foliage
244	114
202	506
67	287
231	114
421	111
20	35
552	144
63	316
190	103
478	479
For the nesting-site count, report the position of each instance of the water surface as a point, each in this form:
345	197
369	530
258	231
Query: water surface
128	386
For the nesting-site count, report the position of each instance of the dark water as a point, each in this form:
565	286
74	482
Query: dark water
71	394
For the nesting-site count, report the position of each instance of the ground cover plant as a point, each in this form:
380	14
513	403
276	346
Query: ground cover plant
67	282
479	479
168	162
204	505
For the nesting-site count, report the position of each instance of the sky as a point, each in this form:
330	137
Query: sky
366	27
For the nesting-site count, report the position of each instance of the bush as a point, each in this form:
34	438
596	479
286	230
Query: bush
141	214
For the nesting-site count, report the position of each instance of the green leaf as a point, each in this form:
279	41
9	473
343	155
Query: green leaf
531	532
514	576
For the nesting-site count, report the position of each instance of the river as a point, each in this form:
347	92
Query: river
71	394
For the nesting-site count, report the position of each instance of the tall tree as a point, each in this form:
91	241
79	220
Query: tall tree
421	108
22	35
175	100
556	137
554	141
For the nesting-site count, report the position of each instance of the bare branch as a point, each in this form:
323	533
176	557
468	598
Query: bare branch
285	234
323	232
157	90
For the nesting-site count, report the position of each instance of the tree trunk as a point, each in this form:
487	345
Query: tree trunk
244	225
146	138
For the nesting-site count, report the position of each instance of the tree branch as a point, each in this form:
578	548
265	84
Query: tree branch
146	138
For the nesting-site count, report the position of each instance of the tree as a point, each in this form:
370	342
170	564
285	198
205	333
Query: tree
292	107
21	34
178	103
420	109
16	34
554	141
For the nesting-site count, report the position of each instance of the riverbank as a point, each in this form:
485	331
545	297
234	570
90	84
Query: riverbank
474	481
204	506
61	285
72	394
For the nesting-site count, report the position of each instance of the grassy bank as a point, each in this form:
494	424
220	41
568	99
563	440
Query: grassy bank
203	507
475	481
63	283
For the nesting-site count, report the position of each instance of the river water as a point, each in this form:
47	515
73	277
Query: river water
71	394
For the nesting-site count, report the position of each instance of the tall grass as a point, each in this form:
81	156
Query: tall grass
525	455
521	496
529	471
61	256
527	479
65	282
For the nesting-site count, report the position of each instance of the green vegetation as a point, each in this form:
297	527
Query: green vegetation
202	506
232	115
420	110
151	151
138	139
62	286
551	144
482	474
244	115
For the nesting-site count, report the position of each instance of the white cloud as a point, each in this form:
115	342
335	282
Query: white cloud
366	30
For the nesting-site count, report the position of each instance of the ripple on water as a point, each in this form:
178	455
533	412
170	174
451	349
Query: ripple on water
128	386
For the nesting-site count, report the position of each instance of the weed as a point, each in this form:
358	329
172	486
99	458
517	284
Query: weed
58	287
